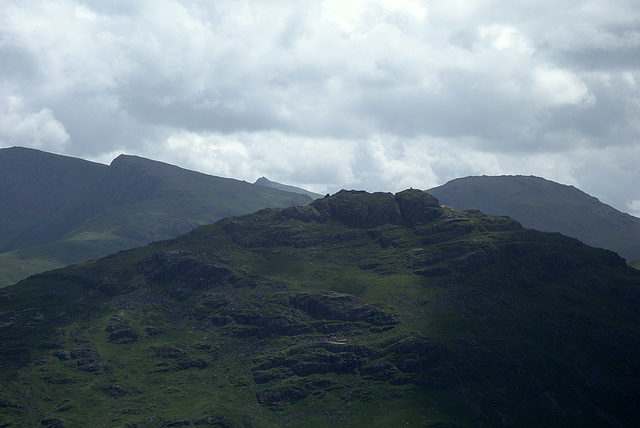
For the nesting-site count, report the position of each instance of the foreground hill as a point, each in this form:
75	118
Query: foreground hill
544	205
58	210
357	310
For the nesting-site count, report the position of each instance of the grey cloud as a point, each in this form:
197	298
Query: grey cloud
614	119
16	63
602	59
614	47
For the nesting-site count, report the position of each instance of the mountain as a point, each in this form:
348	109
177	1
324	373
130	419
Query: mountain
544	205
264	181
36	189
357	310
58	210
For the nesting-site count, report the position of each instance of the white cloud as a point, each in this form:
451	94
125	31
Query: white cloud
505	38
321	164
324	165
415	8
633	207
557	87
38	129
216	154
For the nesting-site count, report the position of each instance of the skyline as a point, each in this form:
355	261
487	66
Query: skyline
371	95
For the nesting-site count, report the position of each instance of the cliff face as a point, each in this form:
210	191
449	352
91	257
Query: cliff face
359	309
363	210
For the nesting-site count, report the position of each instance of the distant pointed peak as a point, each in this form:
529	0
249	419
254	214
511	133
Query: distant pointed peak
123	157
134	160
262	181
119	159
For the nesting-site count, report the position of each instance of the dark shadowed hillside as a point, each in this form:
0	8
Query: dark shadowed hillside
358	310
58	210
36	191
547	206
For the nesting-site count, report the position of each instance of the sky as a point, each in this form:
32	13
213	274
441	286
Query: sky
378	95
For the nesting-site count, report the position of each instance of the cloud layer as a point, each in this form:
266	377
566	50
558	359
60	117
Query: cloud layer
376	95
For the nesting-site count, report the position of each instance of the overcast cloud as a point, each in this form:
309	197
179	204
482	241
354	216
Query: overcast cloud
379	95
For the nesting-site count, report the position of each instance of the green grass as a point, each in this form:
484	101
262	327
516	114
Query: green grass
14	266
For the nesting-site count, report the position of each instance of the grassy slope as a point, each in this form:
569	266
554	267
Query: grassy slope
138	201
490	324
547	206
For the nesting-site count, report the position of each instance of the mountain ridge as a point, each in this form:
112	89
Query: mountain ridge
264	181
102	209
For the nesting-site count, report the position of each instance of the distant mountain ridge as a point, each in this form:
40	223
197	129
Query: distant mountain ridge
36	191
264	181
548	206
56	210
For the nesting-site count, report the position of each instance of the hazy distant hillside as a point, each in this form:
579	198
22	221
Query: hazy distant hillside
61	210
545	205
36	191
264	181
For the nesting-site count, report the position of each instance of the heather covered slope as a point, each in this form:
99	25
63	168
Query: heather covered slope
357	310
61	210
544	205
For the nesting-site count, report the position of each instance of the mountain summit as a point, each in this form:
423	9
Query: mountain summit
357	310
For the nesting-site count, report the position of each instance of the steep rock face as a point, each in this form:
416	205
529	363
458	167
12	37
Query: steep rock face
418	207
363	210
360	209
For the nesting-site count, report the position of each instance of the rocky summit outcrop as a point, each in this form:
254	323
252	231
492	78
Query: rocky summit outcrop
357	310
418	207
360	209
